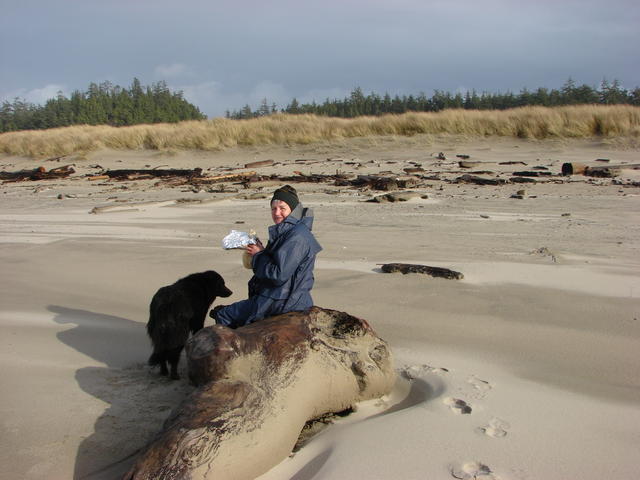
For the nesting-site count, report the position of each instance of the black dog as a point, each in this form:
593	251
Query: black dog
178	309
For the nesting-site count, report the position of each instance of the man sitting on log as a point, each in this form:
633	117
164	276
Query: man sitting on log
283	270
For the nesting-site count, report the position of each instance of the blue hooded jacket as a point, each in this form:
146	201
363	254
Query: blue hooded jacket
284	269
283	273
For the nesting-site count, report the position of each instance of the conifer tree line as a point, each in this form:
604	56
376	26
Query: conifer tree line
357	103
101	104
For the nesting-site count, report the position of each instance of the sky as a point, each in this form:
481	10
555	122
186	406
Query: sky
224	54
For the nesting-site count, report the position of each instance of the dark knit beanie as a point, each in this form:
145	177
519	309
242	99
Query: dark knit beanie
288	195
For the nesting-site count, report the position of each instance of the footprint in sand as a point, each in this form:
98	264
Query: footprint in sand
497	428
479	384
472	470
458	406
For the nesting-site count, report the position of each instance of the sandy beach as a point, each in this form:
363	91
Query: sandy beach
526	369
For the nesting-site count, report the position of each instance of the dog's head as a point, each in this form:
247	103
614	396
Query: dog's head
216	284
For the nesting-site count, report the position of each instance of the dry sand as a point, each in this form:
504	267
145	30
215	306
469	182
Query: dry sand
539	342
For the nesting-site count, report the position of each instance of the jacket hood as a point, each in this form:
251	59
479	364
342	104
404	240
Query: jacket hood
302	214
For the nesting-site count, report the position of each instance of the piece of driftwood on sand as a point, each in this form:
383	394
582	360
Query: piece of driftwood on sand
258	386
140	173
574	168
405	268
39	173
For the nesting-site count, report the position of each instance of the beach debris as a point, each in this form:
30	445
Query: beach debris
463	156
466	178
258	385
397	197
39	173
262	163
145	173
56	159
463	164
531	174
441	156
573	168
227	177
522	180
512	162
603	172
607	171
405	268
545	252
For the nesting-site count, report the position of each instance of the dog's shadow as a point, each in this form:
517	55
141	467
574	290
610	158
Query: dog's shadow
138	399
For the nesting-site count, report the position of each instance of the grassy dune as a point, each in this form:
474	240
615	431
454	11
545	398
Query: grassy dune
528	122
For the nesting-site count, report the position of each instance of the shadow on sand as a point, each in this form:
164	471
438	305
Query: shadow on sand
138	399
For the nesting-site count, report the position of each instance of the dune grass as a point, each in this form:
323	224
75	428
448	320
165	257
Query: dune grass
581	121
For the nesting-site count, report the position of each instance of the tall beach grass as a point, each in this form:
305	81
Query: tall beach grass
581	121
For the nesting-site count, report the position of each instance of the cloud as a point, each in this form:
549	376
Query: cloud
214	99
173	70
38	96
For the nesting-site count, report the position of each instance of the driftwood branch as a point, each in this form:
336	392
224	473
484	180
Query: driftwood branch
405	268
479	180
39	173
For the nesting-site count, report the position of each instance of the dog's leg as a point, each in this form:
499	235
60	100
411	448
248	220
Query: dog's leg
163	367
174	357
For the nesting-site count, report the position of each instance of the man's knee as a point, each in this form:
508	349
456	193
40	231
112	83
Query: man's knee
232	316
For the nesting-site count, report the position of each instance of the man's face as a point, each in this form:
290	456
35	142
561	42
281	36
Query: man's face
279	211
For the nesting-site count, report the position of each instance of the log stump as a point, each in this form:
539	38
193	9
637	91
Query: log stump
257	387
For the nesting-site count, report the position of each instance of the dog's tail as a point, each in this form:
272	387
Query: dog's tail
155	359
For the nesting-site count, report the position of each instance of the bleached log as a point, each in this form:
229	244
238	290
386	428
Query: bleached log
258	385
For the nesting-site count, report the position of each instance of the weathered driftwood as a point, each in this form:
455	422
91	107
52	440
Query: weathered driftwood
531	173
39	173
405	268
258	386
466	164
512	162
396	197
135	173
479	180
227	177
261	163
574	168
374	182
522	180
609	171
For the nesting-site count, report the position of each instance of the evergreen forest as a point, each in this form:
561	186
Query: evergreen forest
357	103
101	104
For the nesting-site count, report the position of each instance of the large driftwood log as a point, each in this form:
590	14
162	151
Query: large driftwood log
258	386
138	173
597	171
